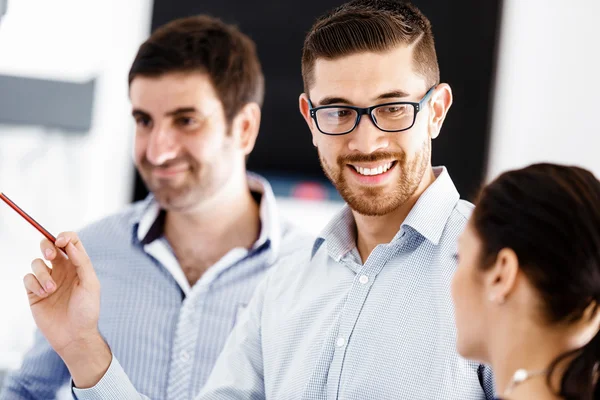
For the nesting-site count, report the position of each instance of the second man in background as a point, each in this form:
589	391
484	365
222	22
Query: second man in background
178	268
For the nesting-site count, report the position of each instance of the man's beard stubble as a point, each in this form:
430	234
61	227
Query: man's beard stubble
164	192
374	201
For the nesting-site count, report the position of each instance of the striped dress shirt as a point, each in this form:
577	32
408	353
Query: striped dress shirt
165	334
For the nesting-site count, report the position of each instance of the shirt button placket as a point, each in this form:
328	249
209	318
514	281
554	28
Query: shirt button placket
186	338
355	301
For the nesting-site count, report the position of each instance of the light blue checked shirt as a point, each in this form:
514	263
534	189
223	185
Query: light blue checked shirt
327	326
324	326
165	334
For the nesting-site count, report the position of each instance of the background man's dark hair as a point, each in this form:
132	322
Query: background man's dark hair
205	44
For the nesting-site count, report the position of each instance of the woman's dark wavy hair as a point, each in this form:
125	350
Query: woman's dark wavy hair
550	216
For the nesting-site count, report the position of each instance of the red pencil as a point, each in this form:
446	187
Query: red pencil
32	221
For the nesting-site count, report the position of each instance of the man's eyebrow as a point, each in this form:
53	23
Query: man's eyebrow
136	112
333	100
181	110
394	94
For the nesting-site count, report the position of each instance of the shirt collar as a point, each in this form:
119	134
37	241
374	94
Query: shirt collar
340	234
149	222
428	217
431	212
269	214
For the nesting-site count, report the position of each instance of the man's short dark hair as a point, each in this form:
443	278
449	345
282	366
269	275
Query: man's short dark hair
205	44
371	26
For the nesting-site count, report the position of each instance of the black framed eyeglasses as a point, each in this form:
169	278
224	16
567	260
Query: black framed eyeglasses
389	117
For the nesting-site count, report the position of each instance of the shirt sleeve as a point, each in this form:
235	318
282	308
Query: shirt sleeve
115	384
238	373
41	375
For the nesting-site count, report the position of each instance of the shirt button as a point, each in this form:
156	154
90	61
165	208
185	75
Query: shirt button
363	279
184	356
340	342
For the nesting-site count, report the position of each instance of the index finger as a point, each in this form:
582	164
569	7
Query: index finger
49	250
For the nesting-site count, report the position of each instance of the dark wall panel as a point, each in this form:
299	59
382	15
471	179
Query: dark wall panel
466	40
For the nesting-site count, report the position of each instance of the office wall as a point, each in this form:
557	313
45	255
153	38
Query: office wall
465	34
64	179
547	90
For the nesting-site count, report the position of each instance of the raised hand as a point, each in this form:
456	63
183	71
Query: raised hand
65	303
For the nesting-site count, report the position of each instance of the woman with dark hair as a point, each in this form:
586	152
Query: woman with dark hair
527	287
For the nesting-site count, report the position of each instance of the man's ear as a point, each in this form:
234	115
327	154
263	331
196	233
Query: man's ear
303	103
246	125
440	101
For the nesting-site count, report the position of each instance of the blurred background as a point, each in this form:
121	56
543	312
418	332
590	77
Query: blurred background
523	72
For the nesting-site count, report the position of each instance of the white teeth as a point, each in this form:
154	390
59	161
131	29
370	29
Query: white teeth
373	171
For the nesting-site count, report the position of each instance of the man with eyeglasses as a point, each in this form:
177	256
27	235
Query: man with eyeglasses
365	312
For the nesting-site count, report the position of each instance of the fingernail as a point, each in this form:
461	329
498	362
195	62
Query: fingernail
49	286
42	293
48	253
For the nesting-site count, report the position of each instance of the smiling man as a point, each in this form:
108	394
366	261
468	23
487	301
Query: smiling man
177	268
367	313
